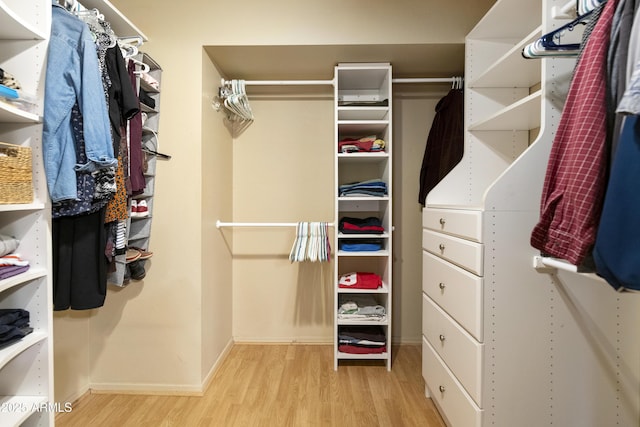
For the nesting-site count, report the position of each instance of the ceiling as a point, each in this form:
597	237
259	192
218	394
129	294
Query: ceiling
316	62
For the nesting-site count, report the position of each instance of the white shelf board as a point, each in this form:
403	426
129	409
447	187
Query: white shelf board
12	350
361	322
18	279
373	356
363	236
36	206
361	126
521	115
384	289
512	69
14	27
19	408
11	114
362	113
382	253
363	156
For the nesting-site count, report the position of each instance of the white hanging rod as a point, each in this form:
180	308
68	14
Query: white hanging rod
541	262
426	80
283	82
332	82
220	224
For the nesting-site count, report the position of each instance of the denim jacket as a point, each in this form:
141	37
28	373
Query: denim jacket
72	75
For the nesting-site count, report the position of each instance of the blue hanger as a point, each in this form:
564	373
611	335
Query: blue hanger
547	46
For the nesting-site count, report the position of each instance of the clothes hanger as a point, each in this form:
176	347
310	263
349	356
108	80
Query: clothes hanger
145	67
547	46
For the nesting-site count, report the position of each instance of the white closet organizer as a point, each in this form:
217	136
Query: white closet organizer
362	83
26	366
503	344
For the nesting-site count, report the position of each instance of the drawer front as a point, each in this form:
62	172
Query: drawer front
457	291
459	351
456	406
461	252
461	223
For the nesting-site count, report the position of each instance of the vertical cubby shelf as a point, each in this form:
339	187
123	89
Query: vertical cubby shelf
363	110
26	365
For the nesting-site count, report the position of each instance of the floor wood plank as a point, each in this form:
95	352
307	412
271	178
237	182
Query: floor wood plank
278	385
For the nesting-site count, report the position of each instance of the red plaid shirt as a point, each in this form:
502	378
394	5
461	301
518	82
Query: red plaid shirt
575	180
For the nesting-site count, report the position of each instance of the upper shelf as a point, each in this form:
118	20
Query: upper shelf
18	21
512	69
120	24
500	21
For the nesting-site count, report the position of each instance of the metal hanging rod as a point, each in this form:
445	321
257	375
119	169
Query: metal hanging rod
283	82
220	224
332	81
426	80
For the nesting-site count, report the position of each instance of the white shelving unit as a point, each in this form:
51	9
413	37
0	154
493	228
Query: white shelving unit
26	366
366	82
504	344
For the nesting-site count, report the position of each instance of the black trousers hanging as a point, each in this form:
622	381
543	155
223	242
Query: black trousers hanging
79	261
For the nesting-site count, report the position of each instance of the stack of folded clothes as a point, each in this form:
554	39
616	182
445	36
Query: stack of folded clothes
372	187
362	340
361	245
360	280
360	307
369	225
14	325
10	262
365	144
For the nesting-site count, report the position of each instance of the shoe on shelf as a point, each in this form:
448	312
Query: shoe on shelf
134	208
132	255
144	254
142	209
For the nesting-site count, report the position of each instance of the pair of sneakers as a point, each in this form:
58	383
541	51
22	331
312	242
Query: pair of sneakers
139	208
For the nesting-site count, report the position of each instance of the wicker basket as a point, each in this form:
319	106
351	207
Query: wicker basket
15	174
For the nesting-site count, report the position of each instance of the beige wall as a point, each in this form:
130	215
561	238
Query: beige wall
167	332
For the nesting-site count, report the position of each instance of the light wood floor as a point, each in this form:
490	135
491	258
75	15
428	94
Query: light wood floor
279	385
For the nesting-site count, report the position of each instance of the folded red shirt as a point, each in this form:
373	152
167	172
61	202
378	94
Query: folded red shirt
360	280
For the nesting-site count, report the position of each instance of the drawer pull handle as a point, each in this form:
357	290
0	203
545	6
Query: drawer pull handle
442	286
441	246
442	221
441	337
442	389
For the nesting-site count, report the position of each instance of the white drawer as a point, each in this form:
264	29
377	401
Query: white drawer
457	291
460	352
455	405
464	253
463	223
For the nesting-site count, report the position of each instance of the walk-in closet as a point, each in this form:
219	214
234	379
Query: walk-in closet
319	213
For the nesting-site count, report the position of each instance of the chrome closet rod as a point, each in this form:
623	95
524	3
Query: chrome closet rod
426	80
283	82
332	82
220	224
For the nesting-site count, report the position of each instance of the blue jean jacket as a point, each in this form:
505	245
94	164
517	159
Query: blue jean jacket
73	75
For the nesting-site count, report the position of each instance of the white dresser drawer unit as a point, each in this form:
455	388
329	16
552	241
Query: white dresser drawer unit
464	253
460	352
454	403
455	290
462	223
